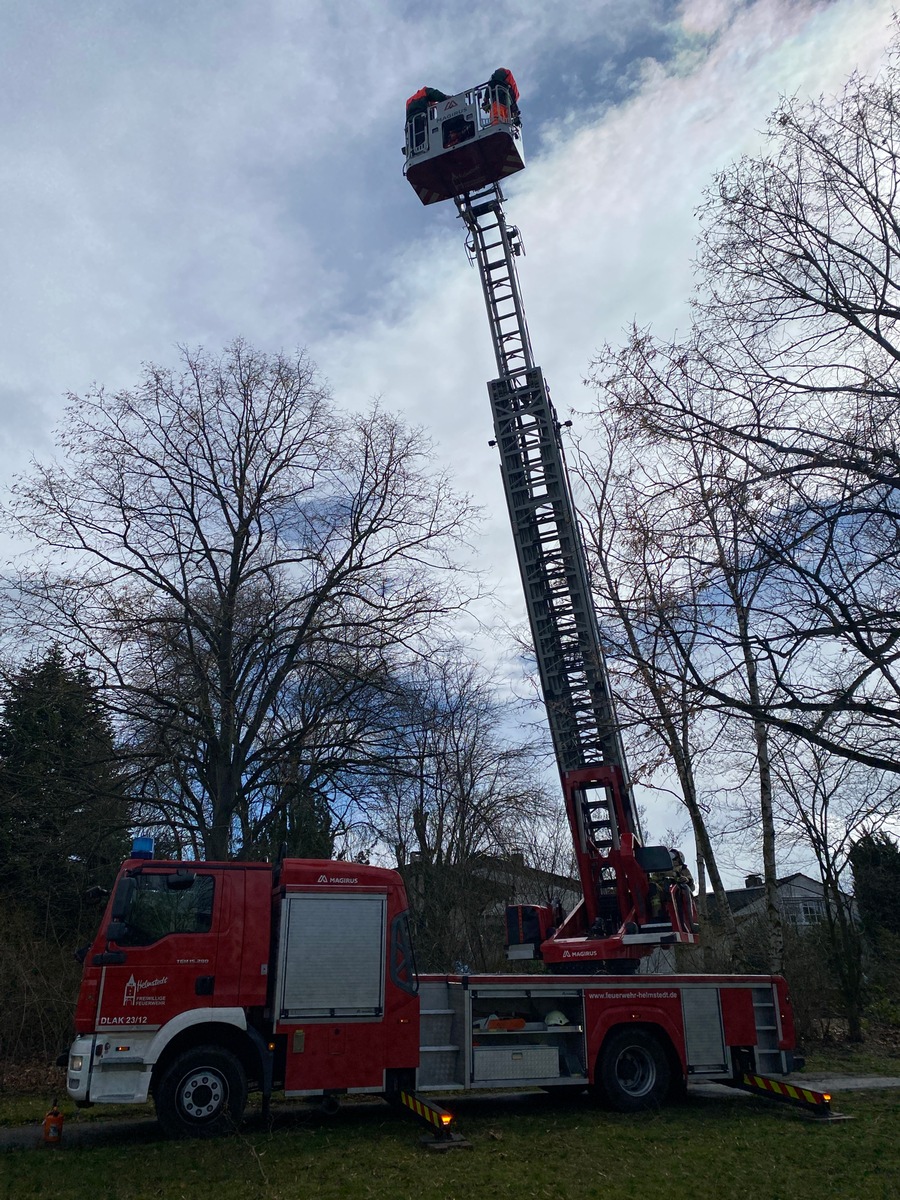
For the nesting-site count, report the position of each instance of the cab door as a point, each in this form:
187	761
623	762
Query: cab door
161	946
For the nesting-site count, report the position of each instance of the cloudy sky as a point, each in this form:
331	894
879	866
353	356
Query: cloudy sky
180	172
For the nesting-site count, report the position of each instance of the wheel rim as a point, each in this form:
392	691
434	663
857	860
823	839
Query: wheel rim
635	1071
202	1094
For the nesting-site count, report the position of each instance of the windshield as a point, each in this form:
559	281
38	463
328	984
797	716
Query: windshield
151	907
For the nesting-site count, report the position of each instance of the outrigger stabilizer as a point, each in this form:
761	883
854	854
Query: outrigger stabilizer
816	1105
443	1136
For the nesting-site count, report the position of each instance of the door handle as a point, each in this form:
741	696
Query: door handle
204	984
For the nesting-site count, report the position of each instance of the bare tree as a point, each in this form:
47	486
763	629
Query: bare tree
791	376
782	406
690	608
827	804
653	624
211	534
458	805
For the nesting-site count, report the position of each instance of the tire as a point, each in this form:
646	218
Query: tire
633	1071
201	1093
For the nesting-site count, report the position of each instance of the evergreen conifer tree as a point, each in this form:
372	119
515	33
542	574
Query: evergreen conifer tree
63	813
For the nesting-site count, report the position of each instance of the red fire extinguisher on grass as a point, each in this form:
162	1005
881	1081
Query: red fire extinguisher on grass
53	1126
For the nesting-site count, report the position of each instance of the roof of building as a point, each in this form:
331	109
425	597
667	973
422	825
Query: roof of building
745	897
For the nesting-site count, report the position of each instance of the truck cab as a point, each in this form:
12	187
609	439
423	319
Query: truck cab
210	979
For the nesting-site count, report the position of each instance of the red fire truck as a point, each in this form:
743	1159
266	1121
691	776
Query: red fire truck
210	979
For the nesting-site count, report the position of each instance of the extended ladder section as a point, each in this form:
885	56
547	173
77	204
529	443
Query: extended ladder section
495	246
615	922
633	896
551	556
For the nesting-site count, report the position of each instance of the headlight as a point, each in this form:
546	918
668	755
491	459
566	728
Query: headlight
76	1062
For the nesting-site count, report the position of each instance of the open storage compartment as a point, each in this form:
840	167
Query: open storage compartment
533	1036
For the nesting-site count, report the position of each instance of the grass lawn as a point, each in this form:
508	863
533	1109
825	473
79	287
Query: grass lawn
526	1147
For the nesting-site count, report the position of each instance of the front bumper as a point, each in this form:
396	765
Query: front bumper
100	1071
78	1074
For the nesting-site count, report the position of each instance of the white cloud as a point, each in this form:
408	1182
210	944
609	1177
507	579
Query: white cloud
706	16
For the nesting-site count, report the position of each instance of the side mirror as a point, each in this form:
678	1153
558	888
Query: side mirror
116	931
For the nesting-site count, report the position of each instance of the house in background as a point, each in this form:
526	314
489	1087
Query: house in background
801	898
803	907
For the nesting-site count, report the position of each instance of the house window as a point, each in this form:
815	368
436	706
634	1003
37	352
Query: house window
812	911
806	911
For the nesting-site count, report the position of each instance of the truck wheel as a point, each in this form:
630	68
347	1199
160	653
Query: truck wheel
633	1072
202	1093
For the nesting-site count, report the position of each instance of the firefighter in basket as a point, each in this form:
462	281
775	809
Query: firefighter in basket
676	883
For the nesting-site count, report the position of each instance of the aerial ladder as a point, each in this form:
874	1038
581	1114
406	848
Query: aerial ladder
635	897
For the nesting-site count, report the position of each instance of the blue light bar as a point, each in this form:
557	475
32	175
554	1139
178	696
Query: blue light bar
142	847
